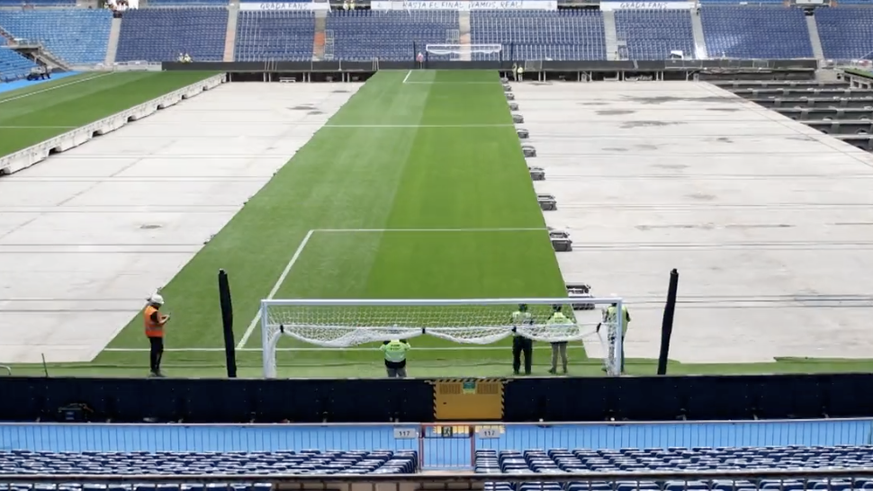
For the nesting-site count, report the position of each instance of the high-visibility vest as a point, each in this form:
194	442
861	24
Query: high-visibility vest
395	351
153	329
611	317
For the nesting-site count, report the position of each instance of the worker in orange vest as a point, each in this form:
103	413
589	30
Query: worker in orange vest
154	330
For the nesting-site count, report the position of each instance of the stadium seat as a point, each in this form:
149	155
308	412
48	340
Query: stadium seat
13	66
653	34
846	33
38	3
78	36
160	34
367	35
199	463
540	35
283	35
755	32
672	459
186	3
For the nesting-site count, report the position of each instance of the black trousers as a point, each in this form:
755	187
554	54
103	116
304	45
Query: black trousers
156	353
521	344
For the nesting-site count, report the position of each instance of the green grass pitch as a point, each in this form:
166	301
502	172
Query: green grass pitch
396	156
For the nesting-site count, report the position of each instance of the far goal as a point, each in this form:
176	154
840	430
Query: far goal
463	52
346	323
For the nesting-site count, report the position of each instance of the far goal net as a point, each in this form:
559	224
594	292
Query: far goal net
463	52
346	323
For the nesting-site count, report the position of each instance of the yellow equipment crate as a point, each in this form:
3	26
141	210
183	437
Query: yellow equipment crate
468	399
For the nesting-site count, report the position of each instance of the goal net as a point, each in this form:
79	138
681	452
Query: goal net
345	323
463	52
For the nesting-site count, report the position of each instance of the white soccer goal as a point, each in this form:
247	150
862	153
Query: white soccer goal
345	323
459	51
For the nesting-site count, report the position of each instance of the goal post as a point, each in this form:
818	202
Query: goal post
462	52
342	323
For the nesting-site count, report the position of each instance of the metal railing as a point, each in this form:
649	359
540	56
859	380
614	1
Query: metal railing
439	446
776	480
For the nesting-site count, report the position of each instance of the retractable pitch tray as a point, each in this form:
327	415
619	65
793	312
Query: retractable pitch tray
577	293
561	241
547	202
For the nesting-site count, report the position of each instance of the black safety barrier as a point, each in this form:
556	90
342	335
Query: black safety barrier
661	398
561	66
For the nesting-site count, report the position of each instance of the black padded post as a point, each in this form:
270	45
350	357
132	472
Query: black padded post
227	322
667	324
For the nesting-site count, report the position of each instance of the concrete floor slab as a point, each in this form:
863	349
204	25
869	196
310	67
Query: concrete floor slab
768	221
84	237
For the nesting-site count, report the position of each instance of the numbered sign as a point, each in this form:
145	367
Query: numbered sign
405	433
490	431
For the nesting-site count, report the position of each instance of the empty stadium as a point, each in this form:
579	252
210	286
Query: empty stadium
297	183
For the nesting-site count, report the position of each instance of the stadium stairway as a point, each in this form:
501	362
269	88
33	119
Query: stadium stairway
112	46
319	37
700	51
230	35
609	35
814	38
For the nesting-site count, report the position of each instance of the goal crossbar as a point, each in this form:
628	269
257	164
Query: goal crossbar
341	323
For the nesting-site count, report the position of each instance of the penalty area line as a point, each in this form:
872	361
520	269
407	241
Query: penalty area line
407	76
380	230
378	126
285	272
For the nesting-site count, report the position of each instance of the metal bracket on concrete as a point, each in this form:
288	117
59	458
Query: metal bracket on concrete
513	106
537	173
522	133
579	291
517	118
510	96
529	150
547	202
507	88
560	240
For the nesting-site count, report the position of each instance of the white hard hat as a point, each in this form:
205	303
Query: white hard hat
156	299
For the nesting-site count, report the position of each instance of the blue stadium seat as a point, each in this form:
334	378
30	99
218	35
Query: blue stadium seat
541	35
194	463
78	36
653	34
186	3
13	66
161	34
284	35
38	3
368	35
755	32
846	33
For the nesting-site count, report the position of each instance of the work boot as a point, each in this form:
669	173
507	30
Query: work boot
553	371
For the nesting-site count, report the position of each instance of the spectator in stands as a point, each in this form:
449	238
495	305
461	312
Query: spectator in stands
395	357
521	344
559	348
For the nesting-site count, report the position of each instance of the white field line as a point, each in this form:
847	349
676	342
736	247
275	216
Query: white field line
499	125
22	96
452	83
216	350
38	127
356	230
294	258
407	76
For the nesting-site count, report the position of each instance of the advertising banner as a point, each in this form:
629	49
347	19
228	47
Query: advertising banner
607	6
282	6
465	5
